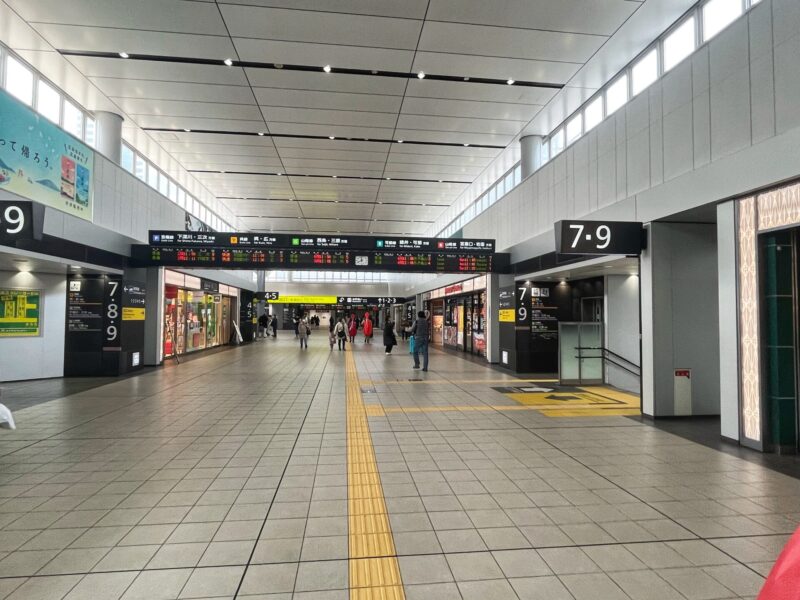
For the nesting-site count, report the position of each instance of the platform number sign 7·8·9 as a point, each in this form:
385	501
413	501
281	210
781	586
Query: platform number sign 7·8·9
111	314
15	222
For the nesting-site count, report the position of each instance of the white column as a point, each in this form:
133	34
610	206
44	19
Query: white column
530	154
728	321
109	135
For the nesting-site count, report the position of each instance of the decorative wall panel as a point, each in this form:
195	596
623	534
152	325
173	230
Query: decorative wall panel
779	208
749	341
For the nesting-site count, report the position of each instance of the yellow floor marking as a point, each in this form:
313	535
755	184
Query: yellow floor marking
591	401
374	570
368	382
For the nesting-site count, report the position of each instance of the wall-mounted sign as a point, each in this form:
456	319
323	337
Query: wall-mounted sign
599	237
42	162
208	286
20	220
453	289
20	313
506	315
304	300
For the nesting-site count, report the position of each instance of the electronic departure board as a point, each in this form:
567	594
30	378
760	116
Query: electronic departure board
216	239
255	258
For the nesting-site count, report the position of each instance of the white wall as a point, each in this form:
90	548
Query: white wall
723	122
728	321
43	356
621	305
680	317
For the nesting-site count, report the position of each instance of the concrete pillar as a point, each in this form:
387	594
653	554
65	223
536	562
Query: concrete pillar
109	135
530	154
494	281
680	319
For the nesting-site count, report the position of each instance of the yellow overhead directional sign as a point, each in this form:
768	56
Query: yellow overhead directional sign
304	300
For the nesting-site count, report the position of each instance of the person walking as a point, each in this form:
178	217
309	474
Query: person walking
352	328
341	333
389	337
367	329
304	332
263	323
420	332
296	321
331	332
274	324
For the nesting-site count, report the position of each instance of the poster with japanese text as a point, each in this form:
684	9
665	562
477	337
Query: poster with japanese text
20	313
42	162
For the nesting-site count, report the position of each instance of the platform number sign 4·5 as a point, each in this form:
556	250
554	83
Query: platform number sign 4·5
599	237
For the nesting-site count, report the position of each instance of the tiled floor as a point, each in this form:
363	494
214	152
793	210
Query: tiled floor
227	477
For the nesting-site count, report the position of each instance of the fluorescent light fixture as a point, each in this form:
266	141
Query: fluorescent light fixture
421	75
186	130
510	82
124	55
327	68
228	62
331	137
465	145
399	141
260	133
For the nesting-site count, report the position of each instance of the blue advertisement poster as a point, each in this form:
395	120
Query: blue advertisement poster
42	162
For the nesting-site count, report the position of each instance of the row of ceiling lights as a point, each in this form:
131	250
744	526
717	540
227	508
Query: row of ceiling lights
330	137
280	174
228	62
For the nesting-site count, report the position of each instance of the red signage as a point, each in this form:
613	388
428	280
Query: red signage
453	289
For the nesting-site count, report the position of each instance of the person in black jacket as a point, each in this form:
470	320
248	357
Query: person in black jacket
389	338
263	323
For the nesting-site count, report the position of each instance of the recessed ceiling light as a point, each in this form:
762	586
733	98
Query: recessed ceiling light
440	181
400	141
186	130
510	81
465	145
228	62
327	68
337	202
466	78
223	171
278	65
388	179
279	174
260	133
335	176
124	55
421	75
331	137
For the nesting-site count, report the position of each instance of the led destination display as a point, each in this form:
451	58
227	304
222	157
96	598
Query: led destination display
254	258
188	239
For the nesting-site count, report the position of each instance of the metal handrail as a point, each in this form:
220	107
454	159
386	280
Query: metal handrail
603	356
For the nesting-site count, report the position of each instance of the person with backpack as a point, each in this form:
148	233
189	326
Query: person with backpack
420	332
367	329
341	333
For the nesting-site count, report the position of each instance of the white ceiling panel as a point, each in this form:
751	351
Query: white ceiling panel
159	71
416	213
155	15
460	124
320	27
310	165
343	225
189	149
183	108
495	68
331	145
326	82
465	108
454	137
294	53
508	42
276	114
107	39
327	100
477	92
600	17
336	210
258	224
394	228
413	9
167	90
320	154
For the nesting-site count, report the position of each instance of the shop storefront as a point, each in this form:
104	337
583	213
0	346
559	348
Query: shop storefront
198	313
458	316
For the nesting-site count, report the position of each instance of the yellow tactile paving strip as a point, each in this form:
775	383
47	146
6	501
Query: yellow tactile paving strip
590	401
374	570
369	382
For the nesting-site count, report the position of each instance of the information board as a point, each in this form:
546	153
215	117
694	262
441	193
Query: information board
217	239
20	313
285	259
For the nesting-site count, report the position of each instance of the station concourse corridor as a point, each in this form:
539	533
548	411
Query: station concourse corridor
266	472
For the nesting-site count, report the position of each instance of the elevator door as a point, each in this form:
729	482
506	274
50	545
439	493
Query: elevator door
592	309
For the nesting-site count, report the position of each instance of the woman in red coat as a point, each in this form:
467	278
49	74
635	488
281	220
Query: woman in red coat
367	329
352	328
